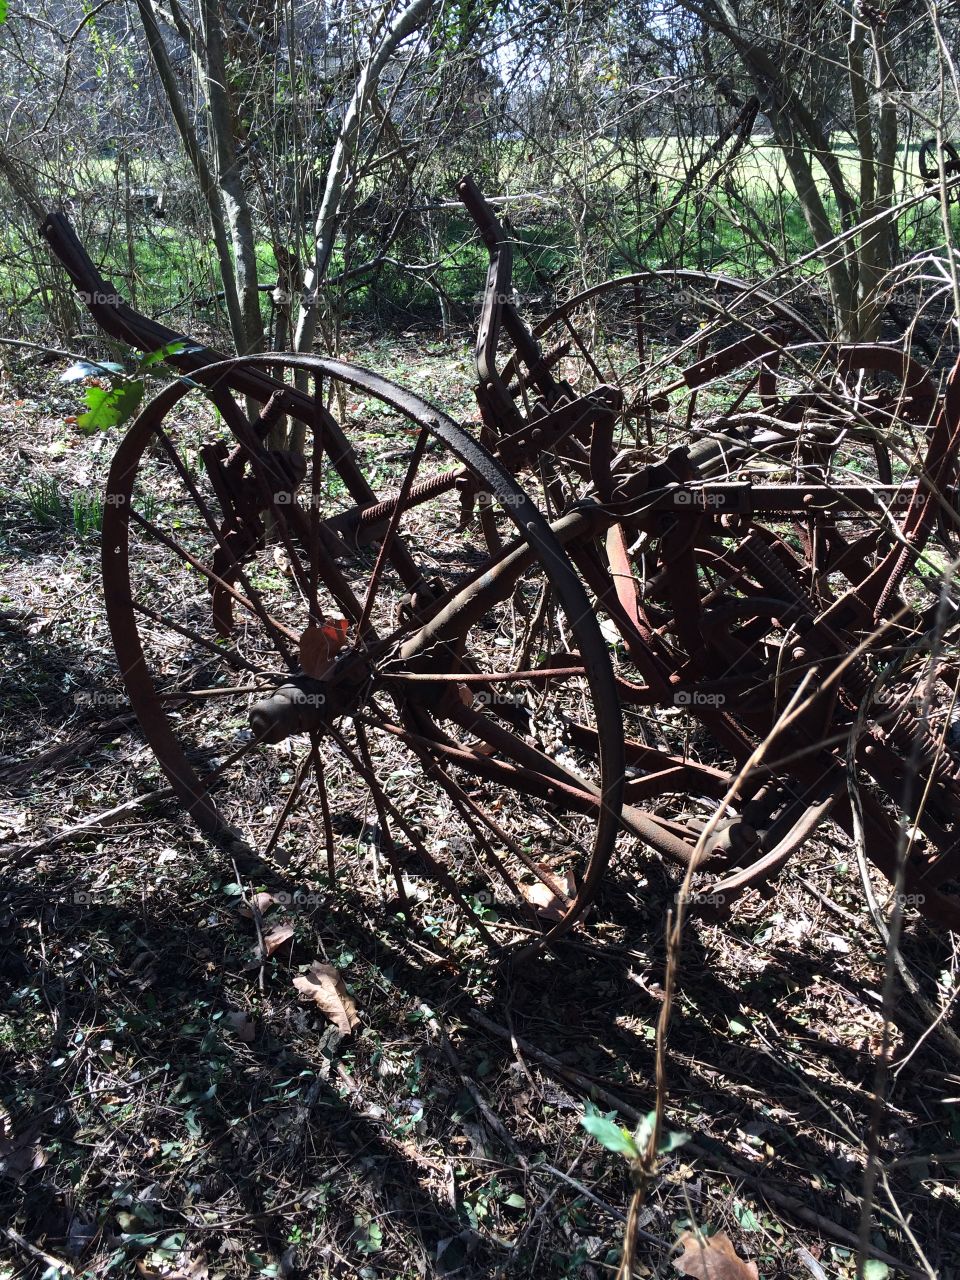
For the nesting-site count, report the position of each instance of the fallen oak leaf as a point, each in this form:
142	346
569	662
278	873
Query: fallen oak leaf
20	1153
276	937
712	1258
324	986
259	902
545	902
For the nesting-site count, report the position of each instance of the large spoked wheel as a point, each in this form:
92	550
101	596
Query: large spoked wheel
319	650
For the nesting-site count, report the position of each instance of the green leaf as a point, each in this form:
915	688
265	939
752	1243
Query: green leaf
157	357
669	1141
747	1219
515	1202
3	10
608	1133
875	1270
110	408
737	1027
641	1135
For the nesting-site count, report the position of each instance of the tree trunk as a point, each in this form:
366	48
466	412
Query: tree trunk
230	180
208	187
404	24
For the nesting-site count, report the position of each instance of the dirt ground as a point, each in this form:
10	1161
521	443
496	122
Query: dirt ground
171	1106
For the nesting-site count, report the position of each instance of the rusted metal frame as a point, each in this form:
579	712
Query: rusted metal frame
390	535
422	491
384	804
193	794
621	571
858	675
498	309
319	774
220	482
933	810
877	357
564	430
492	393
884	764
748	498
882	837
700	778
943	865
270	481
548	787
278	629
581	346
218	582
810	813
363	766
316	614
545	364
229	656
755	347
683	586
939	468
638	641
522	754
524	516
492	584
296	787
681	276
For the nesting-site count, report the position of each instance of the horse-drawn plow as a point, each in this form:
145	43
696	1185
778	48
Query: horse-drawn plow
686	585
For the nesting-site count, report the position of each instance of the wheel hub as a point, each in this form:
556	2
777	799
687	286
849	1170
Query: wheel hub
306	704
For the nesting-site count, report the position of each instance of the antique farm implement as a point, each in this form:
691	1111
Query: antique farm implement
683	586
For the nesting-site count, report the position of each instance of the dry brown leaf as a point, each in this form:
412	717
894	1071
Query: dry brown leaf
545	902
19	1153
260	902
323	985
242	1026
712	1258
320	645
276	937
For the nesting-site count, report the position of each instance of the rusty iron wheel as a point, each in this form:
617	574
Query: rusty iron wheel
296	631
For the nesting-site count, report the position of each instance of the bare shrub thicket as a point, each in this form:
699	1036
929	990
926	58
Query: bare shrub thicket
268	168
